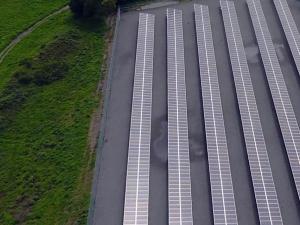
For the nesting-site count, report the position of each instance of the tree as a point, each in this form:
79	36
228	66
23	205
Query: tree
108	5
77	7
90	8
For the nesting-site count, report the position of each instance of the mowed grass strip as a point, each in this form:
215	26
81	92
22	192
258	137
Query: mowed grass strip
45	160
17	15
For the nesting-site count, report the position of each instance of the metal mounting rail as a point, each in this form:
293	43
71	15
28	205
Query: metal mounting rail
179	187
137	180
224	209
284	109
262	178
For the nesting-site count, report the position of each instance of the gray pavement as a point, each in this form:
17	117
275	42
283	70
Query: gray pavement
110	185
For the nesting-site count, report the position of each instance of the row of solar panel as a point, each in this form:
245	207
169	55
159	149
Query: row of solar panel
137	179
180	199
284	109
224	210
262	179
179	181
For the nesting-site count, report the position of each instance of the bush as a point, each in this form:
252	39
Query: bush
108	6
23	77
91	8
50	73
27	63
77	7
11	97
60	48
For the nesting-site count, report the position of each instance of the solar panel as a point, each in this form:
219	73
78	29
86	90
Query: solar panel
179	180
290	29
224	209
137	179
284	109
262	179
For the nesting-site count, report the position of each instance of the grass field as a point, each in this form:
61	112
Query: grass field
17	15
47	97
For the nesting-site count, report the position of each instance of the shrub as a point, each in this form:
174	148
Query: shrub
27	63
23	77
108	6
50	73
60	48
11	98
91	8
77	7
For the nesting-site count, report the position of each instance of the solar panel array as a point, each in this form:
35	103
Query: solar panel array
179	186
179	178
137	180
290	29
224	210
284	109
262	179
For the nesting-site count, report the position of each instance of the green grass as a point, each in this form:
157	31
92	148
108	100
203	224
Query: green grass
17	15
45	161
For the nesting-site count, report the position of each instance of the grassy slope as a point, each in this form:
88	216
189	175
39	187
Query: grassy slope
45	163
17	15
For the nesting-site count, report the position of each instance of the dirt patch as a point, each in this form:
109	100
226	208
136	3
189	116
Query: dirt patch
252	52
96	117
1	195
95	128
24	205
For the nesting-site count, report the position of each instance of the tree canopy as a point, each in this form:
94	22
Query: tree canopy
90	8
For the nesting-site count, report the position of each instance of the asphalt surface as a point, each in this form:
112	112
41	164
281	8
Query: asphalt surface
110	185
